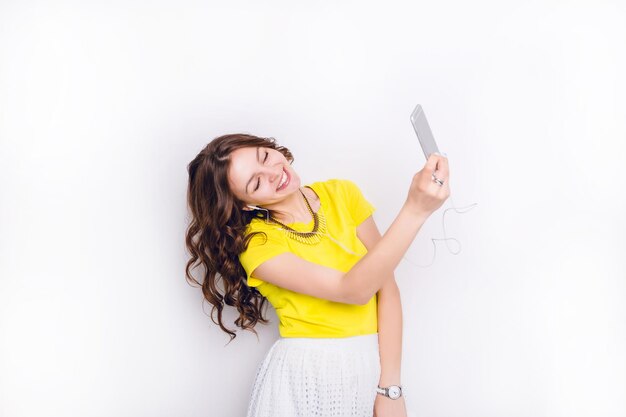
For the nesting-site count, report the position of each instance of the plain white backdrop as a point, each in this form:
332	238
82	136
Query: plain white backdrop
103	104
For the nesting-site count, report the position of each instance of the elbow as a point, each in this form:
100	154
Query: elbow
354	297
354	294
349	298
366	299
360	299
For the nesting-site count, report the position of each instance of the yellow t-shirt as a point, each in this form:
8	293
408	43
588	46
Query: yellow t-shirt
301	315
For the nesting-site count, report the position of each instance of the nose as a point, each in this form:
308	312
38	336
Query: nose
278	173
275	173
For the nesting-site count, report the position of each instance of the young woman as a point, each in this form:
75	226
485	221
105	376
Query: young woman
315	253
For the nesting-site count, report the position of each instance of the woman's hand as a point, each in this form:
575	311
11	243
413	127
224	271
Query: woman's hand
425	194
386	407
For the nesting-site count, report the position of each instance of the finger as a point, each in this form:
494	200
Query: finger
443	169
440	181
438	185
445	188
432	162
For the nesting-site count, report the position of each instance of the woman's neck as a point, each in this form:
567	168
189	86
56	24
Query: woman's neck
294	208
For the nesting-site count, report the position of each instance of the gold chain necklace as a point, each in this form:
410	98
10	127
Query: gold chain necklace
312	237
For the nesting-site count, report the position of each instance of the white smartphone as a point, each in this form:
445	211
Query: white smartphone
423	132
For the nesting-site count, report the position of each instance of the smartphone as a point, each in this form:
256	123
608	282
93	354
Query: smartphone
423	132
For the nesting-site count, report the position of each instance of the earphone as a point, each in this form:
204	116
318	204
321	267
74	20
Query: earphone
255	207
445	238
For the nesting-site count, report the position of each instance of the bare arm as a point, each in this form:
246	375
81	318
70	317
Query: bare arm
371	272
376	268
358	285
389	314
389	332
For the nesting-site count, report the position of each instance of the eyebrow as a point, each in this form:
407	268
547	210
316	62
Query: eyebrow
250	180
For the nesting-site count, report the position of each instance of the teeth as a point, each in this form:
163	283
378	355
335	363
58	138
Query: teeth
283	180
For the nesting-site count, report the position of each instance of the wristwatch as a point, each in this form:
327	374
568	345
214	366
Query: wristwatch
392	391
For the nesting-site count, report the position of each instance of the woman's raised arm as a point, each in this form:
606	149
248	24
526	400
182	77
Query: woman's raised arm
368	275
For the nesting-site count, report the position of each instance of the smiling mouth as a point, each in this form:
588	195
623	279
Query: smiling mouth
286	181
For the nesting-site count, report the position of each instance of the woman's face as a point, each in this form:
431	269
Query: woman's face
261	176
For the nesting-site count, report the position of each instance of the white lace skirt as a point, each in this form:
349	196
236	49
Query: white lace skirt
303	377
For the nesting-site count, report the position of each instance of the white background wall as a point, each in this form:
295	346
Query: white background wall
103	104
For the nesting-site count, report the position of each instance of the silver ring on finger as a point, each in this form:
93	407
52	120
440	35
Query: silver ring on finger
437	180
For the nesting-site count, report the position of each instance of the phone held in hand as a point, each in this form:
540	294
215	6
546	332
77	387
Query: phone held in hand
423	132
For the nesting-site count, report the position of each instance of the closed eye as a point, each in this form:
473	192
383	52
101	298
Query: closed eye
258	182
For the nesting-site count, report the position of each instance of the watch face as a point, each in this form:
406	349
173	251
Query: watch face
394	392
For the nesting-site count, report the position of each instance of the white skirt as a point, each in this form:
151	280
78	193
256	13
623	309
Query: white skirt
303	377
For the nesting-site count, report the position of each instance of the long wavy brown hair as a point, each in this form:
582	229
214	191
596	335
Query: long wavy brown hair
216	232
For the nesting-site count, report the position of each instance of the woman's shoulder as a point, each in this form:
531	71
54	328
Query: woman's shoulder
260	224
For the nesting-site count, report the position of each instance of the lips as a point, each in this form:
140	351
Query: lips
287	180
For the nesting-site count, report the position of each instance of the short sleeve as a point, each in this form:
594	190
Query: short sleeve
360	209
262	247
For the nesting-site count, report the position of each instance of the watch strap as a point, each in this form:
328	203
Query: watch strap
385	391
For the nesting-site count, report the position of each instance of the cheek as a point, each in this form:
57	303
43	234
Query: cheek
270	187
